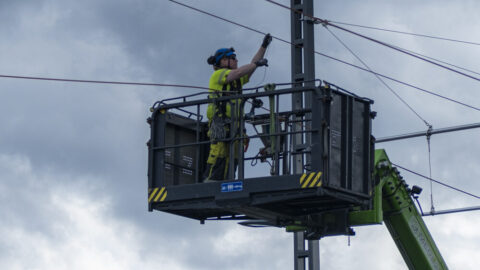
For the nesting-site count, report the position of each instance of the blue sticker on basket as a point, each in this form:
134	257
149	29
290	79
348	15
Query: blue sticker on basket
232	186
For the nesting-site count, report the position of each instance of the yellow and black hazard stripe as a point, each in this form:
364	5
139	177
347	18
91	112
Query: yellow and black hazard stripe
157	194
310	180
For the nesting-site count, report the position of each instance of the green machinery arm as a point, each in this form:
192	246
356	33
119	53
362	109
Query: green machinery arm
393	204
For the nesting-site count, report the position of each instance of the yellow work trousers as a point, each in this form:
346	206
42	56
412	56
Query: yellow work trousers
218	161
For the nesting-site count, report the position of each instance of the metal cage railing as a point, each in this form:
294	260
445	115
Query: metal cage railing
337	156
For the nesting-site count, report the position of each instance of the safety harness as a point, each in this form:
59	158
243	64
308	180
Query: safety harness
220	123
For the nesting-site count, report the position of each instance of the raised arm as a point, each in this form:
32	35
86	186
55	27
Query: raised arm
257	61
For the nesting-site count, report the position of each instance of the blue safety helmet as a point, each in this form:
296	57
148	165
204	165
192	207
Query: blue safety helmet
219	54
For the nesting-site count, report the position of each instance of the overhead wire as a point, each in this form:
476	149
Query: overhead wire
408	53
406	33
400	82
315	19
127	83
227	20
218	17
332	58
325	23
368	70
435	59
440	61
118	83
135	83
283	40
205	88
436	181
428	134
102	82
379	78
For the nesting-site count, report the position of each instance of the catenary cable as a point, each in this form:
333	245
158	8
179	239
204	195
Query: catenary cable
436	60
102	82
205	88
325	22
378	77
350	65
249	28
115	82
428	134
335	59
406	33
218	17
436	181
440	61
226	20
400	82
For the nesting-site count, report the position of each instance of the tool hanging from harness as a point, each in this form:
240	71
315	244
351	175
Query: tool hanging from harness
220	124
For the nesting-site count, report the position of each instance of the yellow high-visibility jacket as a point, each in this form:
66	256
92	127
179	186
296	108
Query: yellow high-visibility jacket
218	86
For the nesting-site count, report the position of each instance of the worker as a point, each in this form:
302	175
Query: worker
226	79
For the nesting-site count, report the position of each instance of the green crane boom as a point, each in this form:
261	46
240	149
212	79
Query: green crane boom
393	204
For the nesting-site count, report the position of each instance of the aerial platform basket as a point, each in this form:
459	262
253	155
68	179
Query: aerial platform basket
337	153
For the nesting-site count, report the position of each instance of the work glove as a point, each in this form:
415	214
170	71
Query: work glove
266	40
262	62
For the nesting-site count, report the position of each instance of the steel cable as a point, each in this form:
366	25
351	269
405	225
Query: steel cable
325	22
436	181
379	78
406	33
333	58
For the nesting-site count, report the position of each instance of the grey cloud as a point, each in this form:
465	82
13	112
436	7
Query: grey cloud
91	138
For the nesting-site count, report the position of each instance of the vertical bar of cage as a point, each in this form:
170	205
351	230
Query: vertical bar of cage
241	165
344	140
286	154
316	124
326	119
231	142
176	157
197	148
278	137
290	145
369	150
150	159
160	173
349	160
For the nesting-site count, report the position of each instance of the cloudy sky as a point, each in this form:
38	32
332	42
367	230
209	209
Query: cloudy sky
73	159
